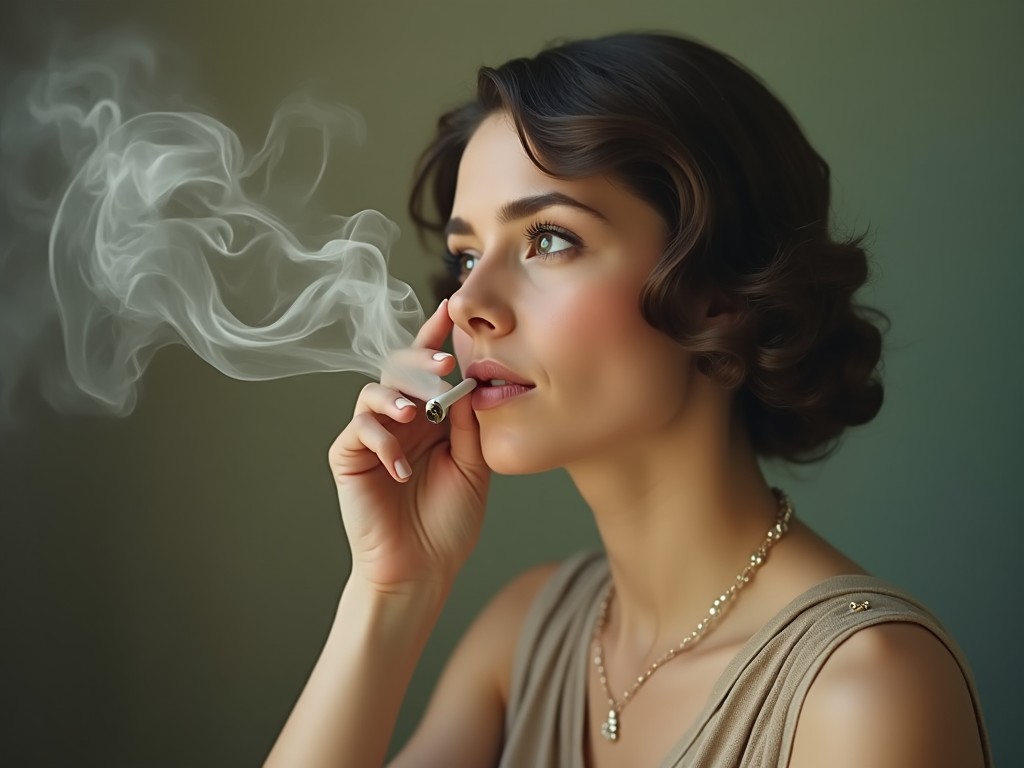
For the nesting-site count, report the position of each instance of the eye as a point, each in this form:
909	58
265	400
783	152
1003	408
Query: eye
548	244
550	240
460	263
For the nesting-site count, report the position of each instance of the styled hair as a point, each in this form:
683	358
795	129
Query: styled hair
746	200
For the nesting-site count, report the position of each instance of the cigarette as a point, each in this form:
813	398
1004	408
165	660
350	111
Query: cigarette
437	408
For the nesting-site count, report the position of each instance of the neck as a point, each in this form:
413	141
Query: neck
679	517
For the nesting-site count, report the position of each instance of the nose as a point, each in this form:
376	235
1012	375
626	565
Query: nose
481	306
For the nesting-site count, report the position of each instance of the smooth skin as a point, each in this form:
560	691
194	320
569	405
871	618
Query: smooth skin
675	488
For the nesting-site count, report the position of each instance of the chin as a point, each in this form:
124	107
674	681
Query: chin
510	455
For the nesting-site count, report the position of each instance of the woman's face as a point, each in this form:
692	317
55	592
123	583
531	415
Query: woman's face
551	279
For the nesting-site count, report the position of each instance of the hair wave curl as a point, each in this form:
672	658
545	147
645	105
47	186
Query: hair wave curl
747	202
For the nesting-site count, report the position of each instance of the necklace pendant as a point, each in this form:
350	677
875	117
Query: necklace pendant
610	727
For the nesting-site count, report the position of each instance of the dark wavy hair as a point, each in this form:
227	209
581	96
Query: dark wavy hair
746	199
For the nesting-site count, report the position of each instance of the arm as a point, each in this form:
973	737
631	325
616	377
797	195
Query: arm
464	722
412	497
347	711
890	696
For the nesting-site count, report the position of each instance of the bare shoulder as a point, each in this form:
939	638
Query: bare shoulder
488	647
502	620
464	720
518	594
890	695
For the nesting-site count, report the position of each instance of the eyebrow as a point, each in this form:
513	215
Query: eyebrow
523	207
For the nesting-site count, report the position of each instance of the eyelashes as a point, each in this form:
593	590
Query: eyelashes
452	261
541	235
538	232
459	264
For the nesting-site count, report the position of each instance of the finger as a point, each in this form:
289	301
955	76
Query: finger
417	371
366	434
437	328
377	398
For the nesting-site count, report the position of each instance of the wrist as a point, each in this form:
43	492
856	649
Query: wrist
430	588
393	605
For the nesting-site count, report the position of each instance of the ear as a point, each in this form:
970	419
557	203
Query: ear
719	309
718	313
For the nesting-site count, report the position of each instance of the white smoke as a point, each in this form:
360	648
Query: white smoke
128	225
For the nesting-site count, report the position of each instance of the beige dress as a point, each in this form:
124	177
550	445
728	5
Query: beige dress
751	714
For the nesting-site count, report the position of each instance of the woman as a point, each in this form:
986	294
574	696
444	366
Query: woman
644	283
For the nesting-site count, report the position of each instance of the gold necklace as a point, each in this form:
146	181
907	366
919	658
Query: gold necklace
610	727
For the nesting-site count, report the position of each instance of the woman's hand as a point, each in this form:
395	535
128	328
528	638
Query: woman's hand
412	493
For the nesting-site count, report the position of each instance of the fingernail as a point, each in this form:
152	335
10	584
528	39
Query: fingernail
441	356
403	403
402	469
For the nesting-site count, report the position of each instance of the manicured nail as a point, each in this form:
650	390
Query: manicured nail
441	356
402	469
403	403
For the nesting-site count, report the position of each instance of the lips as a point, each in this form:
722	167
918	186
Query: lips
486	371
498	384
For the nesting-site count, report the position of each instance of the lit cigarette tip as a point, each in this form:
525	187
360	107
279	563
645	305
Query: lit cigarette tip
437	408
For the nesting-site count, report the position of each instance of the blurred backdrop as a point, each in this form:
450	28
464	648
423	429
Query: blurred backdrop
168	578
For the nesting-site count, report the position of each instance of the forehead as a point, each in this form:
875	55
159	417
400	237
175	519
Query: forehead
495	153
495	169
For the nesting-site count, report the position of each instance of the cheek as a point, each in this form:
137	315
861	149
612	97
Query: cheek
601	328
608	354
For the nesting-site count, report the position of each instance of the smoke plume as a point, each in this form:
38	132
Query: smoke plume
130	223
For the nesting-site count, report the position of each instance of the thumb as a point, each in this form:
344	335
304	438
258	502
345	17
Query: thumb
465	436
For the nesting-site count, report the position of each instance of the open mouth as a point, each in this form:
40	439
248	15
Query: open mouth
491	383
491	393
496	384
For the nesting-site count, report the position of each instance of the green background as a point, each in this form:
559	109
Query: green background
169	578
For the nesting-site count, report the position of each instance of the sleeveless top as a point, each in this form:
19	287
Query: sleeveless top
751	715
